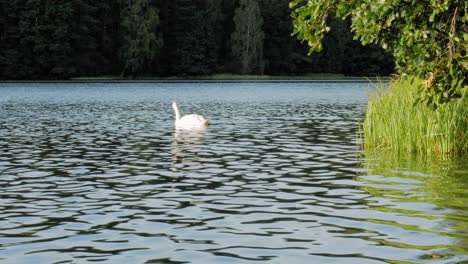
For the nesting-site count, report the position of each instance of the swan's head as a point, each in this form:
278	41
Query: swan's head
174	104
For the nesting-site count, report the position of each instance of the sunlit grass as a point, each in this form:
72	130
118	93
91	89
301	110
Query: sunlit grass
394	122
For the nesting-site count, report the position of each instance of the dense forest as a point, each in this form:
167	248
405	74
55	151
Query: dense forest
55	39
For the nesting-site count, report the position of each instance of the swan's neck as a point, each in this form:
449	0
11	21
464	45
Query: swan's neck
176	110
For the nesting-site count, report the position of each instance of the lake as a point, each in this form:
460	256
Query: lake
95	172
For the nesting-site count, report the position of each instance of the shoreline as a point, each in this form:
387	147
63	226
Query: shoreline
337	78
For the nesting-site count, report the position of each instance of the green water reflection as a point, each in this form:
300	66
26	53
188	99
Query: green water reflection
435	191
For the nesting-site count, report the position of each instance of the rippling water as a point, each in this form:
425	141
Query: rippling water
94	172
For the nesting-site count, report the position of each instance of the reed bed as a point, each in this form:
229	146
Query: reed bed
394	122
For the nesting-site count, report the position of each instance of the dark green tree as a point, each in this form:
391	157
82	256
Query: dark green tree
279	48
110	35
12	65
142	42
342	54
213	23
63	39
56	52
85	37
40	40
247	38
368	60
196	37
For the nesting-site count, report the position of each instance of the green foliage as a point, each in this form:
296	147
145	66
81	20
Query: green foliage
247	38
196	47
279	48
85	33
49	39
427	38
141	42
37	40
65	39
395	123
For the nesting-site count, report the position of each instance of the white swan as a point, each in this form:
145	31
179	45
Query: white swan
192	121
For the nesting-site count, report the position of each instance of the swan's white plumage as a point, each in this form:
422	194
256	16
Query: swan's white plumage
192	121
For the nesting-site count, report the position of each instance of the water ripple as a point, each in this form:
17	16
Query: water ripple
95	175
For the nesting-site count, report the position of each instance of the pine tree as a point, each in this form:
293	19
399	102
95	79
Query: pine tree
279	48
247	38
109	35
193	36
37	40
187	56
212	20
60	39
56	47
85	34
12	64
141	42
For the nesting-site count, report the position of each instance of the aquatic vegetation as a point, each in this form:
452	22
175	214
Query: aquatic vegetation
396	121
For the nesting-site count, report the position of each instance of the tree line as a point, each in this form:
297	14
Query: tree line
55	39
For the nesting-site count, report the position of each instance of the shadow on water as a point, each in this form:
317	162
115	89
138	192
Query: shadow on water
429	197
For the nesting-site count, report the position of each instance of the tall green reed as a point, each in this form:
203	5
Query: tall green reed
395	122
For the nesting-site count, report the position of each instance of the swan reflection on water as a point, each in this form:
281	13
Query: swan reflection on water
186	146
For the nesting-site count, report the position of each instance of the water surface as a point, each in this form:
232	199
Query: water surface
95	172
